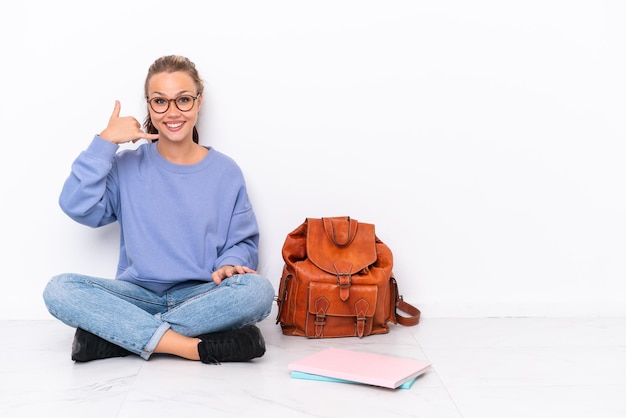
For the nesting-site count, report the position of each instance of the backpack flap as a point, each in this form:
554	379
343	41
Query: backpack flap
340	246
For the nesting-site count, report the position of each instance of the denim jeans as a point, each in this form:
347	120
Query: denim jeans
135	318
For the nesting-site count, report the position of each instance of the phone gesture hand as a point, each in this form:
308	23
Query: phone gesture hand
123	129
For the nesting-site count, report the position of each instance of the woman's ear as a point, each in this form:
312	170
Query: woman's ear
199	101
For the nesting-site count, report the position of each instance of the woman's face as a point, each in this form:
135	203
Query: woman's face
166	90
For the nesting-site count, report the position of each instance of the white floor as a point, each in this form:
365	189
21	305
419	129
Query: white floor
482	368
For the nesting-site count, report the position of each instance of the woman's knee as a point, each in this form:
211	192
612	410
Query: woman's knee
263	288
61	287
258	292
54	294
54	286
264	294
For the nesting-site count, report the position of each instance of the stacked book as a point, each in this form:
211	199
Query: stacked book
349	366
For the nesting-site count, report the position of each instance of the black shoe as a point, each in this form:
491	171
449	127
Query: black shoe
87	347
242	344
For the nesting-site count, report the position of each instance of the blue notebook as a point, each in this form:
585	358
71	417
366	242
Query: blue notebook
310	376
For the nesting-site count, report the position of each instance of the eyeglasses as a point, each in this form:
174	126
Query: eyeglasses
184	103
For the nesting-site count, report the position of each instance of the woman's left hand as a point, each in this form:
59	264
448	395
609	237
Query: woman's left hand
227	271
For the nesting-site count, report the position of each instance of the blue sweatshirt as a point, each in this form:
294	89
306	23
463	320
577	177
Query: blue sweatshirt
178	223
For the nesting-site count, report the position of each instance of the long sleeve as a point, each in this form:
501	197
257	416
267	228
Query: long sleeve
241	246
89	194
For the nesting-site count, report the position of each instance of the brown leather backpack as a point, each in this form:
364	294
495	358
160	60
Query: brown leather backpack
337	281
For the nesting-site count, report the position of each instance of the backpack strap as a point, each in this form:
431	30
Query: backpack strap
400	304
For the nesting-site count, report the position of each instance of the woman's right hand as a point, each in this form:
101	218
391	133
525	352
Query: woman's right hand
124	129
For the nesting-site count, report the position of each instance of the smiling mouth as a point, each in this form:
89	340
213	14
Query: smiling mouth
174	125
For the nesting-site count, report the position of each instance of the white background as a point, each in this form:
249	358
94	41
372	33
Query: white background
484	139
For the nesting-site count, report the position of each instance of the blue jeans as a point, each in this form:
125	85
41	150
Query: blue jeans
136	318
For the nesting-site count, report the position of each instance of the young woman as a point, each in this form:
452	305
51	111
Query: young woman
186	282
